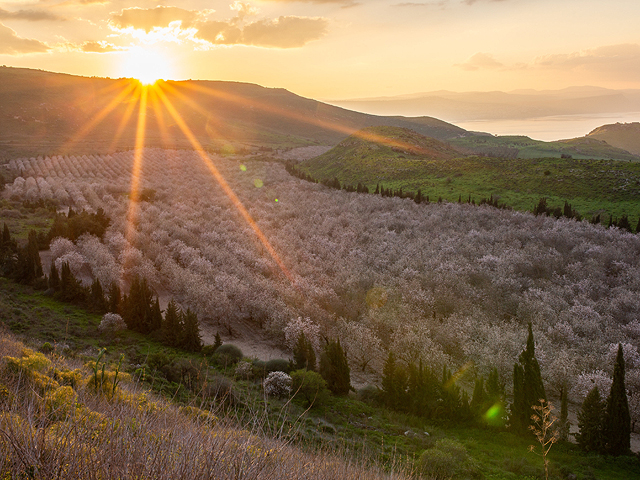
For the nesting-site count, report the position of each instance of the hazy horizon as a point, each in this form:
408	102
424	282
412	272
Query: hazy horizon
334	48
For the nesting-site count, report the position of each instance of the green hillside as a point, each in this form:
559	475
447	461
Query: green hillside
591	186
622	135
519	146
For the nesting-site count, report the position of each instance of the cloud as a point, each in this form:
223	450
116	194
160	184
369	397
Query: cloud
99	47
344	3
283	32
620	62
420	5
29	15
480	61
471	2
221	33
610	54
148	18
12	44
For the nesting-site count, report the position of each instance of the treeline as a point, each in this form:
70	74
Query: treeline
140	309
418	390
605	425
541	208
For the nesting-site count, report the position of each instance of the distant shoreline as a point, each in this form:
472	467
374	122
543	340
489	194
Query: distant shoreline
558	127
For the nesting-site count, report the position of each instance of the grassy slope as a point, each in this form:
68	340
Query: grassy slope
578	148
591	186
622	135
343	424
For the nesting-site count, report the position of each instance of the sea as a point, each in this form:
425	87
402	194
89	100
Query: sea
558	127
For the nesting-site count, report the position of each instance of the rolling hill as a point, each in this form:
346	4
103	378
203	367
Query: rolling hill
44	113
398	158
621	135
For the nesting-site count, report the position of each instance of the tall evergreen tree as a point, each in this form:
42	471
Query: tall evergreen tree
638	227
590	418
191	340
96	296
394	383
304	355
617	420
478	399
54	277
171	328
115	299
335	369
70	287
564	414
528	388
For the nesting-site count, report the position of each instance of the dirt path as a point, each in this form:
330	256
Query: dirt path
253	341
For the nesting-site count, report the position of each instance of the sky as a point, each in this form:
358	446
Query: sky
334	49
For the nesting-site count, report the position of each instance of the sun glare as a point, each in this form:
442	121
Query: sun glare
148	66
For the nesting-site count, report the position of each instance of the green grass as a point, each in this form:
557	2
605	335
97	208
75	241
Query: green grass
591	186
342	424
20	219
578	148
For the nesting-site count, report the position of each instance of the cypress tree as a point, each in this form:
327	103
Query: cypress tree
96	296
54	277
334	368
528	388
191	340
638	226
478	399
156	316
389	382
590	419
617	420
171	331
6	235
115	299
564	415
303	354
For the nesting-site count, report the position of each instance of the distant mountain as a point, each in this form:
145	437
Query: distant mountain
44	113
621	135
518	104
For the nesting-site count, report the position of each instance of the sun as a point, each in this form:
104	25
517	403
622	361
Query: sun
146	65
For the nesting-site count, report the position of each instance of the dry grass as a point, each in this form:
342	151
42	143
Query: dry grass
54	425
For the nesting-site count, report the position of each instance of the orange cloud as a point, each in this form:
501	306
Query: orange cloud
12	44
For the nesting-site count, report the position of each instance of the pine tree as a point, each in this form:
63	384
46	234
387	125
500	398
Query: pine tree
617	420
590	420
217	342
334	368
191	340
528	388
171	330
